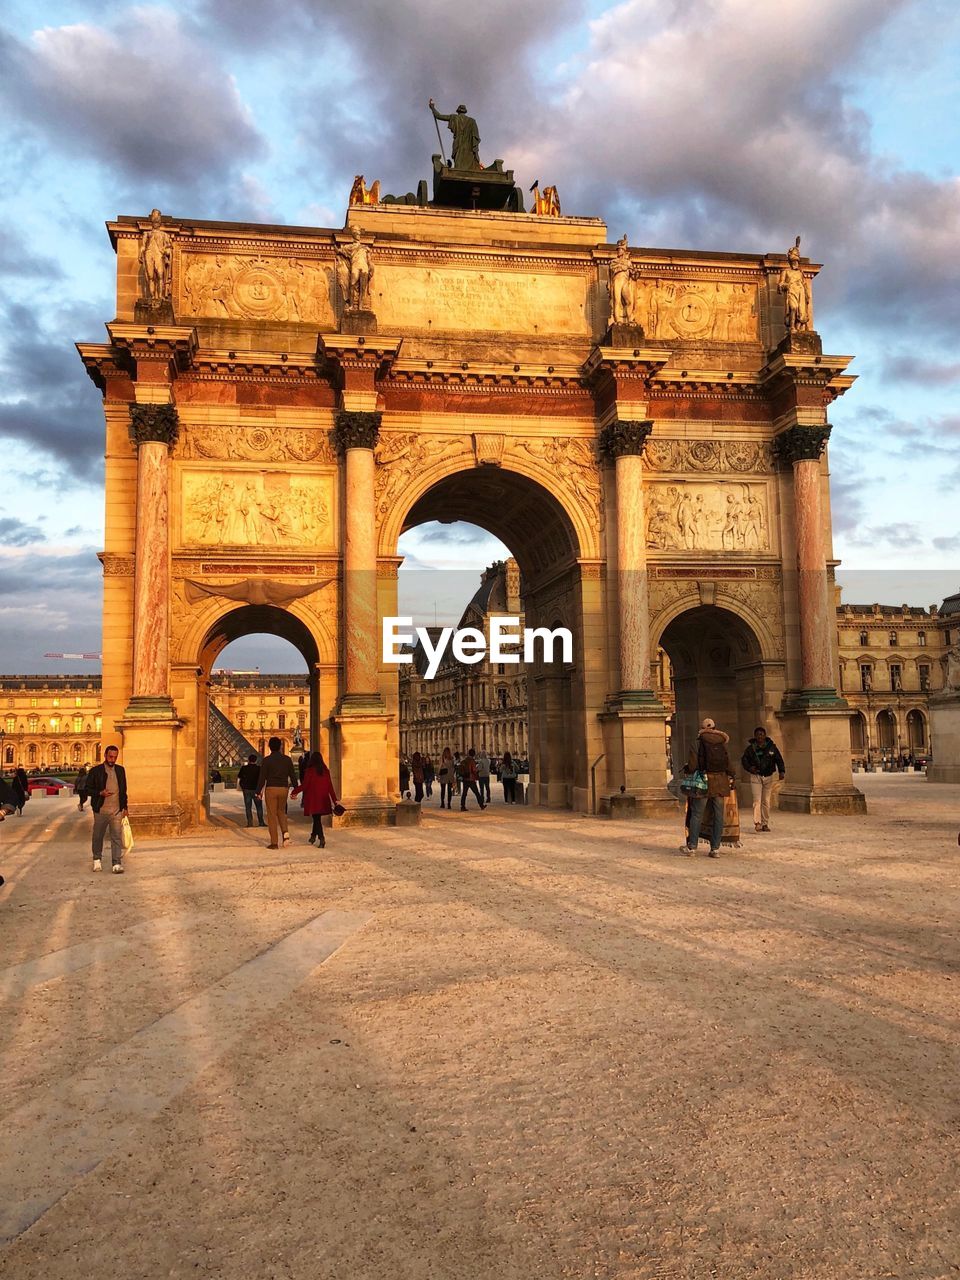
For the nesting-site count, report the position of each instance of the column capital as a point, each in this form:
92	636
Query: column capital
158	422
626	437
798	444
356	430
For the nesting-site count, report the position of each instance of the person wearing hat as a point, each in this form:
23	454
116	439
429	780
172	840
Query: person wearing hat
709	755
466	138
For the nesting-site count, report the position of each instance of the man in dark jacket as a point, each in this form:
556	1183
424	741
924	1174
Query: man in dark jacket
709	755
248	780
277	778
107	789
762	760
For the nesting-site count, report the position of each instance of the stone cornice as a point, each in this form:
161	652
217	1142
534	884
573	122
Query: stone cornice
175	344
633	362
466	375
358	350
154	422
355	430
102	362
624	438
822	372
799	444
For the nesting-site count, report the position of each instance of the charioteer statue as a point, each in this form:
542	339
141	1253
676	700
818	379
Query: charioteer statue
465	183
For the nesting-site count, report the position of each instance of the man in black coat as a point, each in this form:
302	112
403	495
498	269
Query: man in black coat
107	789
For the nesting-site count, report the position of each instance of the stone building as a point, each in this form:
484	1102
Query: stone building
50	722
645	429
264	706
480	704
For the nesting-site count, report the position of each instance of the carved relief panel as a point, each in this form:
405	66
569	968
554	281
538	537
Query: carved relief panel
724	311
708	516
254	509
231	286
270	443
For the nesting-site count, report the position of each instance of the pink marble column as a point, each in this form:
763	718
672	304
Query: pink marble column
154	428
623	442
355	436
803	446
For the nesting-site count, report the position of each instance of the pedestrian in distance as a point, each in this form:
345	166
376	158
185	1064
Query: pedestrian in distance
483	774
508	776
468	780
107	789
416	775
404	776
277	777
761	760
445	774
709	757
319	797
428	776
457	763
21	790
248	780
80	787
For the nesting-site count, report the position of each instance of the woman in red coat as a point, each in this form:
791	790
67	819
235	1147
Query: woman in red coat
319	796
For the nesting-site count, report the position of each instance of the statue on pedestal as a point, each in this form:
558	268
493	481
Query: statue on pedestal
355	273
156	268
798	303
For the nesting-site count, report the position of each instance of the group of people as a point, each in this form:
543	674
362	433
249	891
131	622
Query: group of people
460	775
709	783
267	784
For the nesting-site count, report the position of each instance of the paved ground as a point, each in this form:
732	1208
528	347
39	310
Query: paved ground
506	1044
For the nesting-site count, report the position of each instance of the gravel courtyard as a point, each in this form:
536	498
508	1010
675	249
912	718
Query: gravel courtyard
509	1044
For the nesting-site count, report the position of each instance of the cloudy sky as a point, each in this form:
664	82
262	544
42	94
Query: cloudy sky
722	124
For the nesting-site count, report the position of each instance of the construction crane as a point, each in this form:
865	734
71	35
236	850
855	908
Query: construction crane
84	657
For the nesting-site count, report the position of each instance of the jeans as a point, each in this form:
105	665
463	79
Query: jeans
509	790
484	784
466	786
103	822
697	805
250	798
417	790
446	792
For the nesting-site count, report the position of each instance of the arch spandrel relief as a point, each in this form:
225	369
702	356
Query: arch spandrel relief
228	286
267	444
252	509
692	515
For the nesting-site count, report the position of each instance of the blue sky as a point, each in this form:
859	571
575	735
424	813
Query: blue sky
686	123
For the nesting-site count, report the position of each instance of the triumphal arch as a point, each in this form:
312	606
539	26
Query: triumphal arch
645	429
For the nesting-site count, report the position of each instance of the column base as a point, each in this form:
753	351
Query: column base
814	700
361	704
367	791
944	711
148	707
149	731
156	820
647	803
635	768
816	752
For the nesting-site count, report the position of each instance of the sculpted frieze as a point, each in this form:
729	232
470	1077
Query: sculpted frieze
724	311
402	454
742	456
231	286
571	461
257	444
707	517
256	510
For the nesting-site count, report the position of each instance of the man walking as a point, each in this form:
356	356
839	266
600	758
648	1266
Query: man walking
483	774
277	777
762	759
248	780
468	779
107	788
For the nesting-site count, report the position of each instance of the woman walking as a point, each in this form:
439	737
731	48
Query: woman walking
80	787
416	774
446	778
21	790
319	797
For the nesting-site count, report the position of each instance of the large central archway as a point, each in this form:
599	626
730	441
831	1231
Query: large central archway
541	535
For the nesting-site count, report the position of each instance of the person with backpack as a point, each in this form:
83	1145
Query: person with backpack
709	758
761	760
468	780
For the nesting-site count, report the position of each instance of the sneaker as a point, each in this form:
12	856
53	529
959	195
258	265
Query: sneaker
286	838
97	864
687	851
714	853
117	868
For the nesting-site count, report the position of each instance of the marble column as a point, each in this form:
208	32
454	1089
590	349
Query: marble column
154	429
355	436
802	447
623	442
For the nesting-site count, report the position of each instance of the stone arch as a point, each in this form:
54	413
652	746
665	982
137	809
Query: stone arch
769	648
917	736
859	738
887	730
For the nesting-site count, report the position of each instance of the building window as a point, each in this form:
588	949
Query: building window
32	724
301	699
99	723
501	669
32	753
893	639
302	719
922	639
55	753
896	677
282	719
866	677
8	755
924	677
11	724
282	700
54	724
96	753
78	753
78	724
78	702
241	716
56	702
33	702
